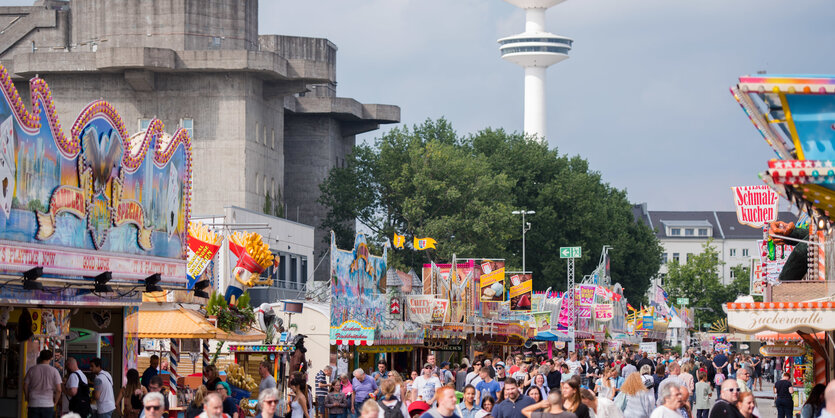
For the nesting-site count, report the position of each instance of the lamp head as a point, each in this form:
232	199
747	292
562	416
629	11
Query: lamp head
101	282
29	279
151	283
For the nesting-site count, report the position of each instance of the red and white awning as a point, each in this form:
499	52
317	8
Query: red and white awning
786	317
349	342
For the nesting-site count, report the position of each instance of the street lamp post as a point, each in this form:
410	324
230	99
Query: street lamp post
526	226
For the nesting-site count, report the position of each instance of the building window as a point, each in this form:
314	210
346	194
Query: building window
676	257
732	252
702	232
273	143
688	232
144	124
265	135
188	125
733	274
257	130
294	272
745	252
663	258
304	269
689	257
675	231
257	183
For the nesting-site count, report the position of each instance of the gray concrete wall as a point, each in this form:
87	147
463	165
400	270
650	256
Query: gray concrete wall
313	145
175	24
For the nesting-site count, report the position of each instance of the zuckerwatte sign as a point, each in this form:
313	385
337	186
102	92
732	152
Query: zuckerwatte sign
755	205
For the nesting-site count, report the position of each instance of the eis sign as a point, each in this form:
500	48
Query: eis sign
755	205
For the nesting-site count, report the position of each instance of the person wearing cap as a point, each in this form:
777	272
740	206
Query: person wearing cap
417	408
425	385
445	374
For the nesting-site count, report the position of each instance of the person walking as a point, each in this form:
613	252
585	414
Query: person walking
102	390
77	389
468	406
151	371
635	399
445	408
513	403
337	403
783	401
572	401
390	406
364	386
213	407
130	396
703	394
42	387
321	382
602	407
267	379
549	408
268	403
152	405
668	397
725	406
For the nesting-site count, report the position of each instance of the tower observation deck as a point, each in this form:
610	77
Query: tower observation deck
535	50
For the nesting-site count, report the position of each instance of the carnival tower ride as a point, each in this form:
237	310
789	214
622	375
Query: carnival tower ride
535	50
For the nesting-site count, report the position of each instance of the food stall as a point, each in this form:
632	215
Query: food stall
90	218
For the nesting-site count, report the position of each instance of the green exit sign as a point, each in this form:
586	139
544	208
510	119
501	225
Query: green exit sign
570	252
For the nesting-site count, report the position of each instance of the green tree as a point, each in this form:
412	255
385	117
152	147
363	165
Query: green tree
699	280
461	190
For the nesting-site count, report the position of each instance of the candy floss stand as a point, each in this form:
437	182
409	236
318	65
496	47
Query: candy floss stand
90	218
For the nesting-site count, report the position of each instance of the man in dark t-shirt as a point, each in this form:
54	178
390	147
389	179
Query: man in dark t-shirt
150	372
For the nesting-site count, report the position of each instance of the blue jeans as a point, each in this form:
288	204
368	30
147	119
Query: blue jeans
40	412
342	415
104	415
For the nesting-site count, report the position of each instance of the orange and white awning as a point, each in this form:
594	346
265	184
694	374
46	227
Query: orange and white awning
783	317
780	337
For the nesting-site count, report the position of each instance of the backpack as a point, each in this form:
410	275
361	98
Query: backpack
391	411
718	379
80	403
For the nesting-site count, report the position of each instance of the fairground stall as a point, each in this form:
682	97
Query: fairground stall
90	218
361	310
794	115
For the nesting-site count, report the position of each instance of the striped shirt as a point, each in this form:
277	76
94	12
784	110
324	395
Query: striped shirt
321	380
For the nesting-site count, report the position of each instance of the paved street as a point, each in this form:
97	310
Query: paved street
765	401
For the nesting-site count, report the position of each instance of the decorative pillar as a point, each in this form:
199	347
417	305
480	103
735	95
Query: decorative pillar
173	361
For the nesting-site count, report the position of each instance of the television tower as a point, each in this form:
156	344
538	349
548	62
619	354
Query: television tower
535	50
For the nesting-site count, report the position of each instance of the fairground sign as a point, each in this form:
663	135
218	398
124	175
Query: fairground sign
755	205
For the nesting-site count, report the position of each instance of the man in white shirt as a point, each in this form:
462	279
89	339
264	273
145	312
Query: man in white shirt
103	392
668	395
79	402
472	377
425	385
573	363
42	387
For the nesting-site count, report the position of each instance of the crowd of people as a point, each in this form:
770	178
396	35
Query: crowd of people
626	385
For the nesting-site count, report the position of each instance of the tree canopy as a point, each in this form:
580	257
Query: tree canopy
428	181
698	279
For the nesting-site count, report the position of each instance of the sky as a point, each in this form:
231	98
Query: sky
644	95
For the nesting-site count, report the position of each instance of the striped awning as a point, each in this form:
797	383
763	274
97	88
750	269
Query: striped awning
777	336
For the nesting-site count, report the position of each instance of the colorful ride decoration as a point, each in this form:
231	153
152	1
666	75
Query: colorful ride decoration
97	188
794	115
254	257
358	306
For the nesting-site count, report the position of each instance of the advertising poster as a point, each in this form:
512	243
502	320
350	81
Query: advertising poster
603	312
203	244
357	305
648	322
565	320
757	278
755	205
427	309
583	312
492	281
521	292
584	295
542	321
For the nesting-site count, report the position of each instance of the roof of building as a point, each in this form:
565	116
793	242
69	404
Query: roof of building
723	223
